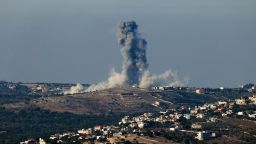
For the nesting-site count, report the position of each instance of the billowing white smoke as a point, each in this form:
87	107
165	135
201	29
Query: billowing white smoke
75	89
114	80
134	69
167	78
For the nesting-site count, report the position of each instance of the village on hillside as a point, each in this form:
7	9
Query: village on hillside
223	121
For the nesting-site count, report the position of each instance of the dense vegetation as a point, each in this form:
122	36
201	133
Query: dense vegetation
21	125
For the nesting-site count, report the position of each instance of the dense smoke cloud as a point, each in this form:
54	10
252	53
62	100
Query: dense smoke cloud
115	79
75	89
133	52
135	66
168	78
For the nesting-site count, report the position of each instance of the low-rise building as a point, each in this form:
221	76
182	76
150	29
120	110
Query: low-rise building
240	101
187	116
196	126
97	127
252	115
202	135
252	99
240	113
133	125
212	119
200	115
117	134
193	111
125	120
41	141
222	103
199	91
141	124
85	131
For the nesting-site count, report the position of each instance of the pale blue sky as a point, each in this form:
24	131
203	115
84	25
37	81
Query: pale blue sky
212	42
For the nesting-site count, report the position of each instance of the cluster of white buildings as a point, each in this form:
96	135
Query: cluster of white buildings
197	116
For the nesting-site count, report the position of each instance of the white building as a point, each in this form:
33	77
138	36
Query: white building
41	141
202	135
212	119
199	91
252	99
240	113
97	127
141	124
193	111
196	126
187	116
252	115
222	103
212	106
240	101
173	129
125	120
158	88
133	125
157	103
85	131
200	115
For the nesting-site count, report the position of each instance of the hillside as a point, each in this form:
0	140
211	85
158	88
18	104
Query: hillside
28	111
123	100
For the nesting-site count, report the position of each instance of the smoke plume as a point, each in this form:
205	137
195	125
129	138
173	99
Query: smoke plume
168	78
135	66
133	52
75	89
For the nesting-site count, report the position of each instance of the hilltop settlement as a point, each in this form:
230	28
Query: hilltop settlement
166	115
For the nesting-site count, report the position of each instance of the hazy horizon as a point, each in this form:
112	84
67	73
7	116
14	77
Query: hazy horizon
211	43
